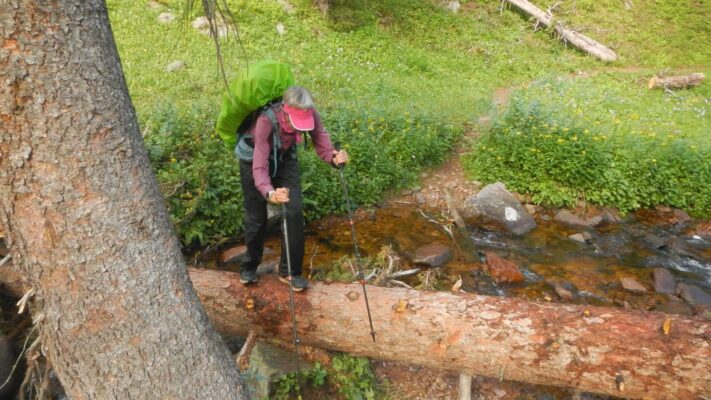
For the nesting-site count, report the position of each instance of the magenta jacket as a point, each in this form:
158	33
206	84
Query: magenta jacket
262	136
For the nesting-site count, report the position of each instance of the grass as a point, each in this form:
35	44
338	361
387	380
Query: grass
605	139
652	33
373	60
389	77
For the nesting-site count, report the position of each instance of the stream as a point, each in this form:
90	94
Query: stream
590	272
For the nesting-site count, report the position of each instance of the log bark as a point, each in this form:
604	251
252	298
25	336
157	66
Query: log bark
595	349
676	82
578	40
85	221
541	343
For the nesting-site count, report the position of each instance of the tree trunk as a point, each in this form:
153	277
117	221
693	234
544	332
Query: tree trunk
676	82
602	350
578	40
85	220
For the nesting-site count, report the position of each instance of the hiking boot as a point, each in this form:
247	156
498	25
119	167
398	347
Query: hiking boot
298	282
248	277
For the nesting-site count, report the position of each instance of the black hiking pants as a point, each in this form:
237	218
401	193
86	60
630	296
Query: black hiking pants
255	215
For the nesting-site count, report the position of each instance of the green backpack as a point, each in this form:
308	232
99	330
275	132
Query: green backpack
253	88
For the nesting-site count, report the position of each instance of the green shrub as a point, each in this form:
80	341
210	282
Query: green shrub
604	141
354	377
386	152
200	179
289	384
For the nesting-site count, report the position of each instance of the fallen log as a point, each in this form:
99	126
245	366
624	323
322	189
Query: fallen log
602	350
676	82
578	40
631	354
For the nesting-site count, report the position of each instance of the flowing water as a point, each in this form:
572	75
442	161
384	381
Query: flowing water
546	256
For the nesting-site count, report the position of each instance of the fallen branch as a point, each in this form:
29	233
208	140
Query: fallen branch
676	82
245	352
5	259
401	283
577	39
400	274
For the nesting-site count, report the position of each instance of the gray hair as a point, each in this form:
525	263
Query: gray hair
298	97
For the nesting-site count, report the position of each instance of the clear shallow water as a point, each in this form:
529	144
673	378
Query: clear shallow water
546	256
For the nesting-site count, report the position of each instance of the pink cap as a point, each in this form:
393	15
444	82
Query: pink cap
302	120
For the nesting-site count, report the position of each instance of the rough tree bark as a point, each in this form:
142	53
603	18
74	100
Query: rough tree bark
602	350
676	82
578	40
85	221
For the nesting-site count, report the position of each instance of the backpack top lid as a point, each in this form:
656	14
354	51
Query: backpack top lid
252	88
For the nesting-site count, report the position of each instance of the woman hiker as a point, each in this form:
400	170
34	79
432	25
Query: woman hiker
272	174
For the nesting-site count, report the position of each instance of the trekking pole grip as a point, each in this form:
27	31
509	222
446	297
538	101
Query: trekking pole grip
337	146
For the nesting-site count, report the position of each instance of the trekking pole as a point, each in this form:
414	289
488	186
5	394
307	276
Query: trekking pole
361	275
291	293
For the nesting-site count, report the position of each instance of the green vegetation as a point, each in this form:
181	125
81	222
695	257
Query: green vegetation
352	377
397	82
290	384
604	139
200	179
656	33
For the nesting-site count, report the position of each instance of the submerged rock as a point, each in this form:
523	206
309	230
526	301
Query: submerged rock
583	237
568	218
433	255
680	216
233	255
632	285
654	242
703	230
565	290
664	281
694	295
674	307
420	198
497	204
502	270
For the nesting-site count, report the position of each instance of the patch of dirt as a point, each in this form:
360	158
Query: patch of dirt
433	185
409	382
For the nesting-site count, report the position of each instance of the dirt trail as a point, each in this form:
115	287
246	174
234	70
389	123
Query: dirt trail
451	175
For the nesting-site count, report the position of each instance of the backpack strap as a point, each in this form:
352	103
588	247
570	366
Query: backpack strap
276	138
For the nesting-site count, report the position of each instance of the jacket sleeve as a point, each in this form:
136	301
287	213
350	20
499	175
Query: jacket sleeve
260	163
322	140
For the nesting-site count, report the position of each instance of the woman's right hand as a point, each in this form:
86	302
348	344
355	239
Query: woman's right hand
279	196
